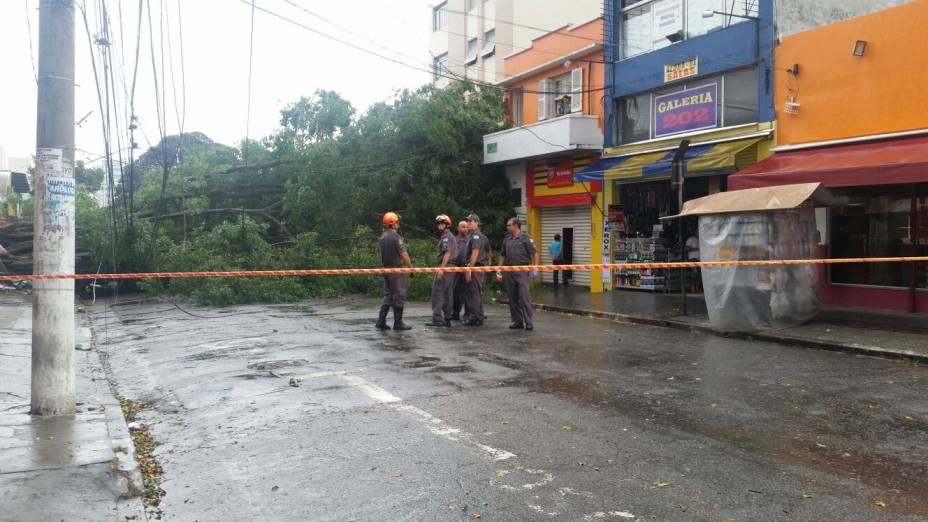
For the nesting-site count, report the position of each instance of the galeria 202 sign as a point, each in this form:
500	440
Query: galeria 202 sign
687	110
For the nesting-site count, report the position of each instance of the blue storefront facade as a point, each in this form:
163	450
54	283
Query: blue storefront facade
700	70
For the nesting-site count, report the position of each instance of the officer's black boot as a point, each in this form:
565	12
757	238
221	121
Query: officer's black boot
398	323
382	318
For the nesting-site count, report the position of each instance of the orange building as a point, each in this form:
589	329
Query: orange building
555	92
852	113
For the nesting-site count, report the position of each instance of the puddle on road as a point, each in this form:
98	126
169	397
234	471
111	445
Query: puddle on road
496	359
424	361
254	376
462	368
277	364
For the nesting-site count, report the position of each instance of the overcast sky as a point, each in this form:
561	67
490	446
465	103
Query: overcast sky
289	62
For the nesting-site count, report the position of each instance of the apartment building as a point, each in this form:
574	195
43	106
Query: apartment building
471	38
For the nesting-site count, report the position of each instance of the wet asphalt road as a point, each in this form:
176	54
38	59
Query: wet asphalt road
308	413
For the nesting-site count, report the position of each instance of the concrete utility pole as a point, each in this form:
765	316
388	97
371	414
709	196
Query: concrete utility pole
53	301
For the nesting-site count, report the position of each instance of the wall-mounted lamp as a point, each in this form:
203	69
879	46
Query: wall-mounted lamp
794	70
860	47
675	37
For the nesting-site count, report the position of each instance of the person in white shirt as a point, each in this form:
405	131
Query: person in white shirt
692	254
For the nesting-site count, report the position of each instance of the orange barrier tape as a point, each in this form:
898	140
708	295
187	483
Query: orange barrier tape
454	269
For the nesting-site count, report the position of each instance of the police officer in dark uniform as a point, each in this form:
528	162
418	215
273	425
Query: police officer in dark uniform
460	259
479	247
518	250
393	255
443	284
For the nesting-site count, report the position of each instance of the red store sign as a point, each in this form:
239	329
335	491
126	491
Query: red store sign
561	174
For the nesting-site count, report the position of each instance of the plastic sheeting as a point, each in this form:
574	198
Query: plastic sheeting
758	298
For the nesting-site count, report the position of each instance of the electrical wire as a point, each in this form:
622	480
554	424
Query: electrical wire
132	117
161	111
388	58
105	115
35	73
251	49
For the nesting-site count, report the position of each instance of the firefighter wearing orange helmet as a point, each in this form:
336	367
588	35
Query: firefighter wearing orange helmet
393	254
443	284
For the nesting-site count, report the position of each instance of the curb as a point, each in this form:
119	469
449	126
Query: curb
126	468
788	340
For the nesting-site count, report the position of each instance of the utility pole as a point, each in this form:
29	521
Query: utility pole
53	301
677	178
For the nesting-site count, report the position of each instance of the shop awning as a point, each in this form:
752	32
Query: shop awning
717	158
597	170
753	200
702	160
874	163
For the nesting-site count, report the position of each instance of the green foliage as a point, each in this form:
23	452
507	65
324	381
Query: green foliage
90	178
332	175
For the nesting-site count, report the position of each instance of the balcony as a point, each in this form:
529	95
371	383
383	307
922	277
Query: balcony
573	132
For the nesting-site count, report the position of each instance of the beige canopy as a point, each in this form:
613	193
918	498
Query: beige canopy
781	197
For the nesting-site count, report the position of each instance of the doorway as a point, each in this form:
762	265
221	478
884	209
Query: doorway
567	246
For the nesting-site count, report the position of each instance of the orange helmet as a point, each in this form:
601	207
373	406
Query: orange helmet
390	218
442	218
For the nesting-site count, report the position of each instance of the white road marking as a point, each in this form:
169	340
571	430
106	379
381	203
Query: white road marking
541	510
546	478
601	514
568	491
433	423
371	390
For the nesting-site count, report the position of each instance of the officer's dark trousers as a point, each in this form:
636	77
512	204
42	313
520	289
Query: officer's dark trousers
475	295
460	294
442	297
394	290
520	308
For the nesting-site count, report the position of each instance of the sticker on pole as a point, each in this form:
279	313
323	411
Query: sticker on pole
59	188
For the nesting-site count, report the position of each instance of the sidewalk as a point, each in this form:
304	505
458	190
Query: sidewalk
61	468
882	334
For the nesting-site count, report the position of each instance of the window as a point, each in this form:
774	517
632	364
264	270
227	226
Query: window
440	17
647	25
740	97
471	5
471	55
877	222
736	104
489	43
636	31
518	107
440	67
636	118
561	95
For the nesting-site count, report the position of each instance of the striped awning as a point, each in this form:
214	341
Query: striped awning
701	160
618	167
596	170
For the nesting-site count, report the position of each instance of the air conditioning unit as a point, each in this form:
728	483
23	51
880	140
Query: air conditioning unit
791	106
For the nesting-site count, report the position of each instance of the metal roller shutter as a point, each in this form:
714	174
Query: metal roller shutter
553	221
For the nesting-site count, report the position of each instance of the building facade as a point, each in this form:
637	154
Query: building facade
852	115
471	38
694	70
554	93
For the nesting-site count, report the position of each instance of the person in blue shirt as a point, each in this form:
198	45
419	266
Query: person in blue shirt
556	248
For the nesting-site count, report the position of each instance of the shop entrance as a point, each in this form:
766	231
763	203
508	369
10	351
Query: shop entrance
574	225
567	240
